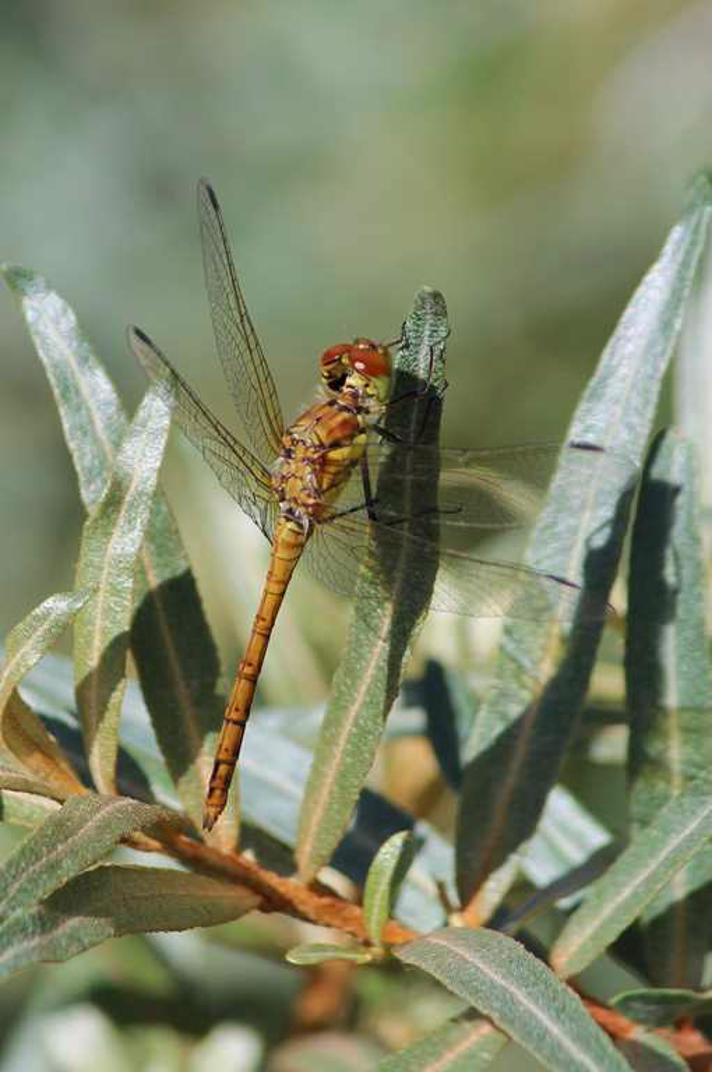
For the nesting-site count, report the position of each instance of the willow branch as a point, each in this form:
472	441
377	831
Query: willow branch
312	905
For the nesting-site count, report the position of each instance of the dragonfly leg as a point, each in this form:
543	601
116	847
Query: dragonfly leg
393	437
423	390
369	499
427	511
402	342
369	507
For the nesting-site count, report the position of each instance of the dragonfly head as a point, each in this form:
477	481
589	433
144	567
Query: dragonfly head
362	365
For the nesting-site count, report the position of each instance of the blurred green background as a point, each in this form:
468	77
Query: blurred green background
526	159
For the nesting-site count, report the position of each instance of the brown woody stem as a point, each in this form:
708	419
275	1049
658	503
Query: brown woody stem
280	894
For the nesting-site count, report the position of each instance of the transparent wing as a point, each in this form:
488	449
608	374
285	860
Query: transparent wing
243	361
342	553
240	473
429	506
502	488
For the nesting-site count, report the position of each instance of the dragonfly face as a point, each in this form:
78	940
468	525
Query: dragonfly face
361	368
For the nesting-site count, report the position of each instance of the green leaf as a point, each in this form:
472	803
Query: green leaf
28	641
25	809
558	891
88	407
450	711
465	1045
669	693
383	881
653	857
662	1006
383	624
19	782
519	994
645	1052
109	901
22	735
111	541
177	664
565	853
83	831
172	645
524	724
318	952
692	393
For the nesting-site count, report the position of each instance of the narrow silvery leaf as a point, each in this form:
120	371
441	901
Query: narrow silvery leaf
28	641
654	856
88	407
519	994
83	831
109	901
662	1006
111	542
26	809
524	724
450	713
22	735
18	781
320	952
382	626
384	879
174	651
693	387
646	1052
669	694
465	1045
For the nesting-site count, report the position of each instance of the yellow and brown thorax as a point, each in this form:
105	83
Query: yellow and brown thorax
323	445
318	453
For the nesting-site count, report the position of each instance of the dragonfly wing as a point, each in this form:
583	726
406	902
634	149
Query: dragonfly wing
241	474
501	488
350	552
243	361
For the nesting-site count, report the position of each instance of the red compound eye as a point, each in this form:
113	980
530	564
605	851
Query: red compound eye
335	354
371	360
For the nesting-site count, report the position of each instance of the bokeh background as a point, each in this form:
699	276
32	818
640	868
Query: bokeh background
525	158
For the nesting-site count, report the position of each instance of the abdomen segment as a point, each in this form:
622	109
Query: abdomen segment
287	546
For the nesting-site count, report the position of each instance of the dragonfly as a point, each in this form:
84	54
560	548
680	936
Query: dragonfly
308	486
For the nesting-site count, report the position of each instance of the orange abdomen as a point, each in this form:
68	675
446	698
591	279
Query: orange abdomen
287	547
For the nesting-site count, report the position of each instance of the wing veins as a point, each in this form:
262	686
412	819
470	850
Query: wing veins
236	467
238	345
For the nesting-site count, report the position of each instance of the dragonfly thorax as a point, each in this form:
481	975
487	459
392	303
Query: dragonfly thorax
319	451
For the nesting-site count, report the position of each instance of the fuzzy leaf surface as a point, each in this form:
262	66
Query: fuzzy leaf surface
654	856
519	994
83	831
111	542
170	638
464	1045
669	695
24	739
383	881
109	901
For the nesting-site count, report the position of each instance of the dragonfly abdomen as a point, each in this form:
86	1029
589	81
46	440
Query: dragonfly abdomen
287	546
